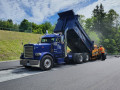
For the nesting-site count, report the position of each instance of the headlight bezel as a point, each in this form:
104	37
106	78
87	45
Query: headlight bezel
37	54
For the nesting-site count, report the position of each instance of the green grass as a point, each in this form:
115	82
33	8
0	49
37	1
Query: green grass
11	43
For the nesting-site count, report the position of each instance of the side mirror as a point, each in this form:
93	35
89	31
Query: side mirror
62	39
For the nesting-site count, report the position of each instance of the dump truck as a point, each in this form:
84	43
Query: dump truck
53	47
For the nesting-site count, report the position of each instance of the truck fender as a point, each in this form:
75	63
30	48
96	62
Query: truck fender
46	53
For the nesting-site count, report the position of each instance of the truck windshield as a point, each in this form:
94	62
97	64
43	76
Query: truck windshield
47	40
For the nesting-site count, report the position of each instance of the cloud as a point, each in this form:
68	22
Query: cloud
33	10
108	4
40	10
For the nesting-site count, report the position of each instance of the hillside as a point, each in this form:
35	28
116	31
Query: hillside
11	43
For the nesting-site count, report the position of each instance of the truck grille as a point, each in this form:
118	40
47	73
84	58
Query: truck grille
28	51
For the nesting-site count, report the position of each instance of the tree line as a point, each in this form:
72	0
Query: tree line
103	27
26	26
8	25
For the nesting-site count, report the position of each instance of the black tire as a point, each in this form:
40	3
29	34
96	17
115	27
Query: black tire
103	57
78	58
46	63
67	61
98	57
86	57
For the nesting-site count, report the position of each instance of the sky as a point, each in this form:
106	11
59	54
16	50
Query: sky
40	11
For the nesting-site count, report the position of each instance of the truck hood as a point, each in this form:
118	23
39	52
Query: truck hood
42	47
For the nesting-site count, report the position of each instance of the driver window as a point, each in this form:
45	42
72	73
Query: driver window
58	40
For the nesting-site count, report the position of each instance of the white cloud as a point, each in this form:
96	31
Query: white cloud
6	10
108	4
33	10
39	10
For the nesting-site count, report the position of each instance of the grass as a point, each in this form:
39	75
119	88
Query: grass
11	43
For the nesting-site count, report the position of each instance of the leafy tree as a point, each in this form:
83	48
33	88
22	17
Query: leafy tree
25	25
15	27
9	23
106	26
82	20
98	21
88	27
50	30
45	26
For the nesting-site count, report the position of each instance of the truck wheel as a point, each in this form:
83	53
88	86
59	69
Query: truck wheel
79	58
46	62
86	57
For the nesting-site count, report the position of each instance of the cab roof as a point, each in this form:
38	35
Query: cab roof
51	35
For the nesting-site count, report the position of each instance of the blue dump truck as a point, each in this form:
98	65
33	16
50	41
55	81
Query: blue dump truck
53	47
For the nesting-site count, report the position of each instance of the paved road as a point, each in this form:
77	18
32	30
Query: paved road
98	75
9	64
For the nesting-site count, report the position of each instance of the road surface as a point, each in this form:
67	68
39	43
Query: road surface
97	75
5	65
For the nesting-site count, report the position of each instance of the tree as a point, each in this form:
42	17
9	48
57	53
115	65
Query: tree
82	20
106	26
99	15
15	27
112	32
9	24
51	29
46	26
25	25
91	33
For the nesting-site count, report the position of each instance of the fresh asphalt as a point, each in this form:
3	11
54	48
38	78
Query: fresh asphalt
97	75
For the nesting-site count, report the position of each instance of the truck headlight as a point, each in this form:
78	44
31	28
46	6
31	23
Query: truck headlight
37	54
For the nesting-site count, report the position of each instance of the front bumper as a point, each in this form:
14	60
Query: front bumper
32	63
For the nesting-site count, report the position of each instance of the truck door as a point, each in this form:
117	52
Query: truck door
59	48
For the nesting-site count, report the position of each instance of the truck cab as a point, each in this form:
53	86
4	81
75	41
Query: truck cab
44	54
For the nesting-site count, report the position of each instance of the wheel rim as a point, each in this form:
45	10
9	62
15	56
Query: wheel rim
80	58
87	57
47	63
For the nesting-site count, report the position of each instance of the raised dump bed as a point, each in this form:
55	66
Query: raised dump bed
77	39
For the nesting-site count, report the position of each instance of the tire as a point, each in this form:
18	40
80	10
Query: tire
46	63
103	57
98	57
67	61
86	57
78	58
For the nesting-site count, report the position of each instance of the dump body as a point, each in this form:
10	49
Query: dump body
77	39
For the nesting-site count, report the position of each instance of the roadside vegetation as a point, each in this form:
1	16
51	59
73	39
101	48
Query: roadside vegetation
11	43
104	28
